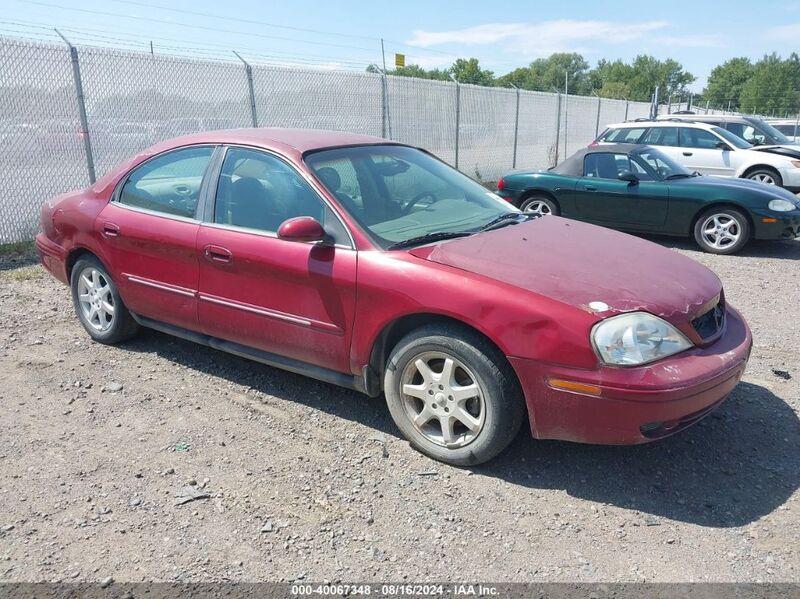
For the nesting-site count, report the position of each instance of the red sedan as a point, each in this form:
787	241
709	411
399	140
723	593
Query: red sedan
375	266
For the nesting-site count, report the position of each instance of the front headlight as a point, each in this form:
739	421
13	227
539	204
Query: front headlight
636	338
781	205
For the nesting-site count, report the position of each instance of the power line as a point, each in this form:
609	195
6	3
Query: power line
198	27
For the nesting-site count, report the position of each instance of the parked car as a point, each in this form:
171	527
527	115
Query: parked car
710	150
417	282
640	189
755	131
788	127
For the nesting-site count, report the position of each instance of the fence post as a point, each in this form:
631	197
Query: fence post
76	75
627	103
597	122
248	71
458	113
796	123
516	128
558	124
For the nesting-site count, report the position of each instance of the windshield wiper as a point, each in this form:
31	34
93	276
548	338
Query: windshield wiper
678	176
507	218
429	237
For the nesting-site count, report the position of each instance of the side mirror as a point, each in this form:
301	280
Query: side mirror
301	228
628	176
721	145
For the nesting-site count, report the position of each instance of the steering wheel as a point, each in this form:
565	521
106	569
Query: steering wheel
425	194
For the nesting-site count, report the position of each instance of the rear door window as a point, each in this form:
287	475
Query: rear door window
169	183
661	136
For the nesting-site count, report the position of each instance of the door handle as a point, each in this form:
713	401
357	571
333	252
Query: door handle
109	230
687	153
590	188
215	253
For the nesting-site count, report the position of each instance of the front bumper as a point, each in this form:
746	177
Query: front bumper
786	225
640	404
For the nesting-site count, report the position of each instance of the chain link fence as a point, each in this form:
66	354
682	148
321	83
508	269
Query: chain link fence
133	99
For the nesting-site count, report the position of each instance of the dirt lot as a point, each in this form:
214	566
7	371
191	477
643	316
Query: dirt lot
98	443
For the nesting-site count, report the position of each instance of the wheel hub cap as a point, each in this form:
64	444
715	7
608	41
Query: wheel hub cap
442	399
721	231
95	299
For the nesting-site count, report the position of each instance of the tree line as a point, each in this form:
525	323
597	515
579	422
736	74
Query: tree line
770	85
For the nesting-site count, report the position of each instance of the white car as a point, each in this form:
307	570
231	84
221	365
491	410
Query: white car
710	150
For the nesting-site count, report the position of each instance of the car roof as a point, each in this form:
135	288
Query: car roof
706	117
287	141
662	123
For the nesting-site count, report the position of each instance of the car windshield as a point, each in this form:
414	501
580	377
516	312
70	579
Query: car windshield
734	140
661	165
401	194
779	137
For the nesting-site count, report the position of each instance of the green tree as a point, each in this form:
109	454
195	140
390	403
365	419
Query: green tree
637	80
469	71
774	87
544	74
726	81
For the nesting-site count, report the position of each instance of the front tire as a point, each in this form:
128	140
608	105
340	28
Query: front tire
722	231
766	176
98	304
453	395
539	204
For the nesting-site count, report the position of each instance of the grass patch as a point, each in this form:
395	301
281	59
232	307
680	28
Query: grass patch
23	273
18	248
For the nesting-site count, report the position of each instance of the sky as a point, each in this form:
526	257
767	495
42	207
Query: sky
347	34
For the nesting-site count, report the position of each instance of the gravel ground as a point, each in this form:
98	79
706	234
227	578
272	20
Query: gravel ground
295	479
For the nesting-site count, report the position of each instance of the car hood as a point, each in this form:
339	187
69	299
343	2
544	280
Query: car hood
578	263
792	152
768	192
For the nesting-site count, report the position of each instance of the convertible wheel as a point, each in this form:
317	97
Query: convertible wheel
452	395
98	304
722	231
766	176
539	205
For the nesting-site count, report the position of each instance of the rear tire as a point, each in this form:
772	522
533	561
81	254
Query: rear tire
722	231
97	302
539	204
453	395
766	176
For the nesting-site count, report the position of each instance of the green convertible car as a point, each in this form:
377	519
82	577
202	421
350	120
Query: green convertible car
639	189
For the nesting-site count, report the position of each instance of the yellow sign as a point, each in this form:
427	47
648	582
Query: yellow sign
399	60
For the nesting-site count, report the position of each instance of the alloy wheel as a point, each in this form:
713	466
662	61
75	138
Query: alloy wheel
763	178
443	399
721	231
96	299
538	207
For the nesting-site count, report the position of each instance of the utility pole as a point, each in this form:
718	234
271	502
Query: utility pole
566	108
516	128
76	77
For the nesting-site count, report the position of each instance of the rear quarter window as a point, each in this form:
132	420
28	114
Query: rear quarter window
629	135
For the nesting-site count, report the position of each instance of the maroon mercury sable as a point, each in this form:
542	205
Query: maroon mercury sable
375	266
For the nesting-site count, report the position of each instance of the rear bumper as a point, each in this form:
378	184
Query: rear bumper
636	405
53	257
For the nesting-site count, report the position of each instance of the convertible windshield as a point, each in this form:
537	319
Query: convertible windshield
403	196
734	140
660	164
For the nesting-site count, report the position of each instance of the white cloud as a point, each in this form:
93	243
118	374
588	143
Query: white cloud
540	38
784	33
